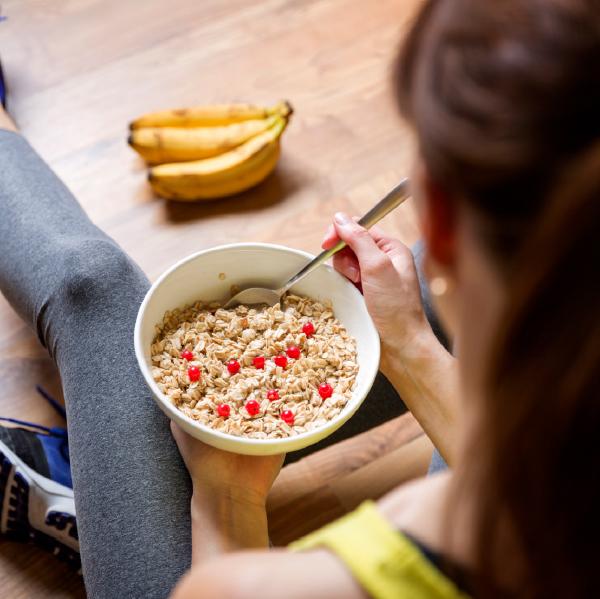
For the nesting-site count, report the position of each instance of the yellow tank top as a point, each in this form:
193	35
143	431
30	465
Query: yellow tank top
384	561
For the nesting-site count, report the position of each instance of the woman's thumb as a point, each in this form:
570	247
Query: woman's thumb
355	236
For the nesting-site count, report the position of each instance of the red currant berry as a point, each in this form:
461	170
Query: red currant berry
194	373
293	352
280	361
325	390
273	395
233	366
186	354
223	410
308	329
288	417
259	362
252	407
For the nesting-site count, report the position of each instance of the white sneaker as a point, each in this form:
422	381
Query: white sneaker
34	508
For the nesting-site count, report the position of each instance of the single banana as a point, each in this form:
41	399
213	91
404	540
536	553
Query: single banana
223	175
210	116
157	145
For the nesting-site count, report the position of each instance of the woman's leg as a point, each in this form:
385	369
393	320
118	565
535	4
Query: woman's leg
80	292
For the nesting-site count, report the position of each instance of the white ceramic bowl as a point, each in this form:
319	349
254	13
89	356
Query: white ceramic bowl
208	276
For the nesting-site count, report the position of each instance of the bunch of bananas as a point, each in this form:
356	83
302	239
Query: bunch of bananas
209	152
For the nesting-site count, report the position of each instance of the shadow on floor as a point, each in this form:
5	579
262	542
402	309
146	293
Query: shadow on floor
275	189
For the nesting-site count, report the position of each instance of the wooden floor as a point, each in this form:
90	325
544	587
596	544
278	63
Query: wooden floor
79	70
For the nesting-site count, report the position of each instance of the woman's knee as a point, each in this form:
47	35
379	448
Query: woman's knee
97	270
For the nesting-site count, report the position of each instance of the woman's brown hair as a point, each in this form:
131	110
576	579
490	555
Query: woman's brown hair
504	97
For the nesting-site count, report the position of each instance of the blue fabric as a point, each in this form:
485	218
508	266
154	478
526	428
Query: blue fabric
54	442
2	85
2	82
57	454
437	463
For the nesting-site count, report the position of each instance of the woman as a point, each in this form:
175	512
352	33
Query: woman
503	99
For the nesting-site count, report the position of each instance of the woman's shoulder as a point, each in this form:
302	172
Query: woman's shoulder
418	506
423	511
420	509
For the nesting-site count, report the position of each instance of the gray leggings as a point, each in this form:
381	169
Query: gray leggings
80	292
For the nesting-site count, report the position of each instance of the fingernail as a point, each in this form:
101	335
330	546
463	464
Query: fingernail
342	219
353	274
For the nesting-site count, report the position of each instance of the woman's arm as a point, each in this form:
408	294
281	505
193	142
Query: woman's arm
421	370
229	519
426	378
316	574
224	521
229	497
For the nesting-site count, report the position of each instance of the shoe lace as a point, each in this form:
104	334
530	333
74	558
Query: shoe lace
51	401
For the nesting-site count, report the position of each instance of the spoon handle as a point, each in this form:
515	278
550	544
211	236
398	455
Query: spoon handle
392	200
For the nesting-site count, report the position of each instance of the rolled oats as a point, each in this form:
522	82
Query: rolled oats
215	336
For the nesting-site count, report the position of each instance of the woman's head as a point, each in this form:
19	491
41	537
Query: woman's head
504	98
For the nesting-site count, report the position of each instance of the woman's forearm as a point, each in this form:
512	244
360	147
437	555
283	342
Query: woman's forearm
225	521
426	377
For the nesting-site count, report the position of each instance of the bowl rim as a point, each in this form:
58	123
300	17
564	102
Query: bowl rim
176	414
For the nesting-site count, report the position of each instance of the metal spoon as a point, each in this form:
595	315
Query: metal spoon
261	295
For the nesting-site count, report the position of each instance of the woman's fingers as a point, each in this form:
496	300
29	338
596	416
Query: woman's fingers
370	257
330	238
184	442
393	247
372	244
397	251
384	241
177	433
377	233
346	264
